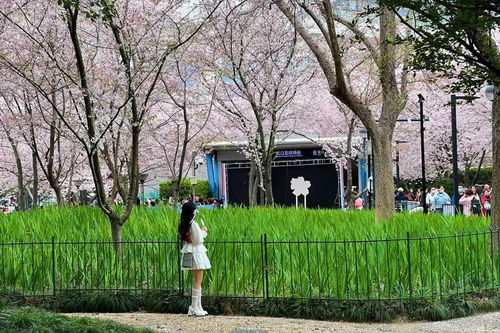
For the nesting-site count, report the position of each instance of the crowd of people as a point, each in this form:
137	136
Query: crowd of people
473	200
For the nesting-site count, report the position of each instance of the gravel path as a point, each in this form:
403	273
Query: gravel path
175	323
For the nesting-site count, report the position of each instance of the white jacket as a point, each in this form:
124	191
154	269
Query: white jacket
197	238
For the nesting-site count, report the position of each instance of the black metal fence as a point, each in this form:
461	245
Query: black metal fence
397	269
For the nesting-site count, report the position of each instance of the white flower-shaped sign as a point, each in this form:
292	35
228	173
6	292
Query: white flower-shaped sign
300	186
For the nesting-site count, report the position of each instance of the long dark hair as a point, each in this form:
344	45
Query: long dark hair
187	215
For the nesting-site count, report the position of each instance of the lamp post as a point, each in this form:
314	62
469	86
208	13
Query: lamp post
421	100
454	144
421	120
78	183
363	132
142	179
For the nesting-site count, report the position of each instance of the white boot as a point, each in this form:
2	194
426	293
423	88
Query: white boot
193	308
197	292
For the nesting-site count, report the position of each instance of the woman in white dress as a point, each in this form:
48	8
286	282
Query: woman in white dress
194	254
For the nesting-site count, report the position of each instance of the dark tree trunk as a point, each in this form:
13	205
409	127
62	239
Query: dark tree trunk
480	165
466	175
349	194
176	191
35	180
268	183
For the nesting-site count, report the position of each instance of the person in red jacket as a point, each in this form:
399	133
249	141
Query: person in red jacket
486	203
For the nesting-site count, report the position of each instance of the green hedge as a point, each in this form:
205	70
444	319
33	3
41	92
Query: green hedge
171	301
484	177
202	189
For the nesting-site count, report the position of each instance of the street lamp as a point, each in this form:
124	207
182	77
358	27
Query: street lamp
421	100
142	179
367	144
454	143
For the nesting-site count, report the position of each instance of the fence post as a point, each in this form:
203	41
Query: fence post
265	270
179	268
53	265
408	246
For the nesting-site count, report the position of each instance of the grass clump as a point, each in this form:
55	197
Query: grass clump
28	319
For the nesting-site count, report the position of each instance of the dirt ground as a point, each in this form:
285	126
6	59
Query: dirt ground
176	323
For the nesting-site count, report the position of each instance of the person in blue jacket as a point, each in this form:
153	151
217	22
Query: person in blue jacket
440	198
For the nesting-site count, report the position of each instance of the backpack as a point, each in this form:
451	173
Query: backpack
476	206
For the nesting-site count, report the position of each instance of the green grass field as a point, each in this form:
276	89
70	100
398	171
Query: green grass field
90	224
306	253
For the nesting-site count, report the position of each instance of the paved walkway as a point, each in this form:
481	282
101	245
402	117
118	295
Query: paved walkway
175	323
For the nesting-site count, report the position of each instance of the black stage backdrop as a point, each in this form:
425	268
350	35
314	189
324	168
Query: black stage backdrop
323	192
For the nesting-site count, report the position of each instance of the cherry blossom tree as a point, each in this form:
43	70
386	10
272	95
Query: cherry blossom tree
116	47
260	66
474	137
310	17
179	124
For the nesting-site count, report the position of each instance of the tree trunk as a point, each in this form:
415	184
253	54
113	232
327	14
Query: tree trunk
59	195
35	180
252	185
495	184
384	182
268	183
349	194
69	194
466	175
480	165
116	233
176	191
20	179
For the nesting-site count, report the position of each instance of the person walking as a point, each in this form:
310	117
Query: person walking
194	254
440	198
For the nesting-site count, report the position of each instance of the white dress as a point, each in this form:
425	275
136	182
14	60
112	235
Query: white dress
199	251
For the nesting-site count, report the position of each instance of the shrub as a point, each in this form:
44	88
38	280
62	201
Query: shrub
36	320
98	301
484	176
202	189
11	298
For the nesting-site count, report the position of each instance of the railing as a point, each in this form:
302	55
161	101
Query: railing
405	268
445	209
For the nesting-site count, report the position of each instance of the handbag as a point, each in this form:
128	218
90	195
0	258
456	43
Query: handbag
187	260
487	205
